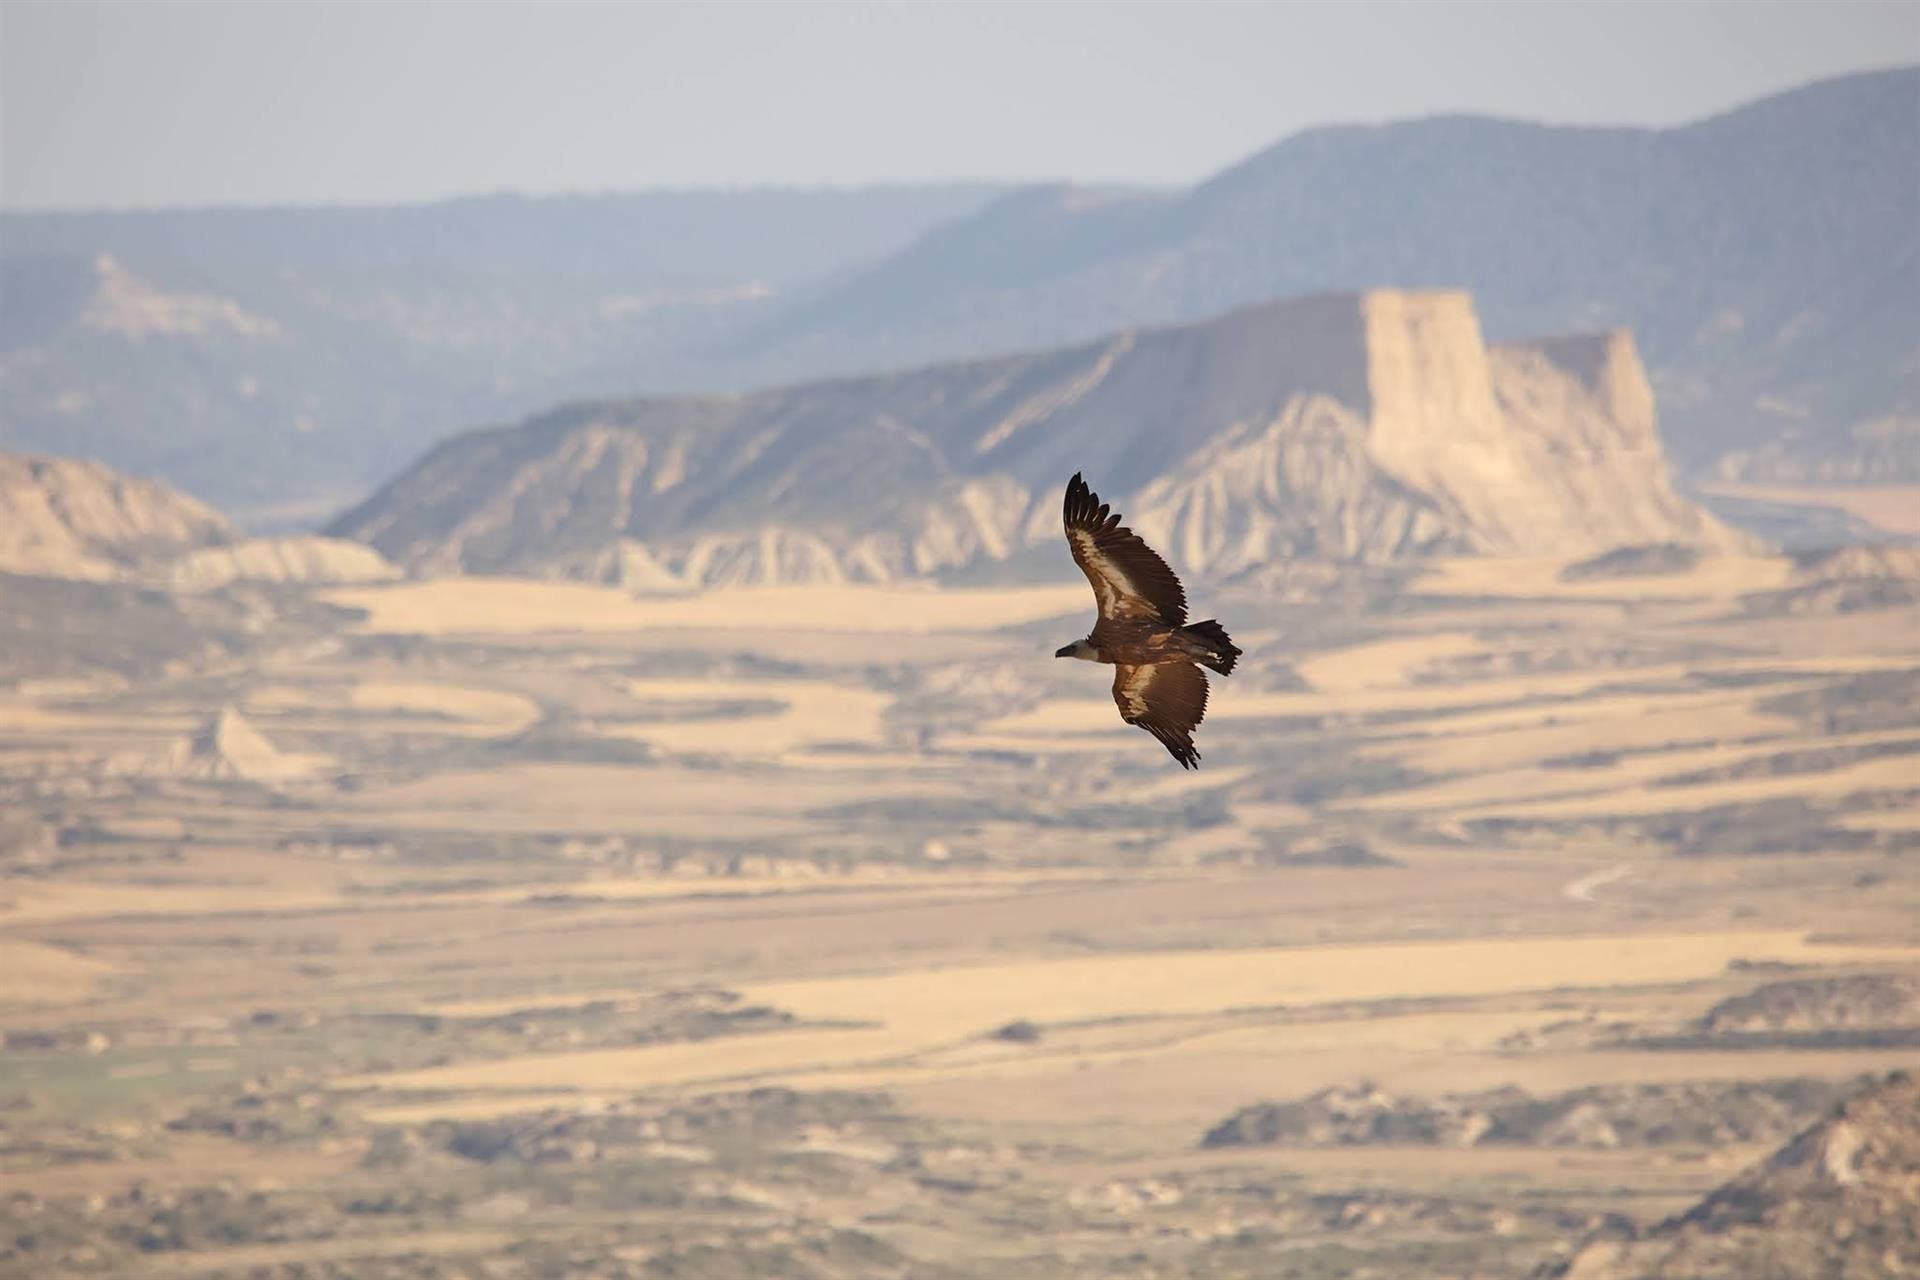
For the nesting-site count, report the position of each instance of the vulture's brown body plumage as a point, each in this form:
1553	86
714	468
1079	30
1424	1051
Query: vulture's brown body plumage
1142	628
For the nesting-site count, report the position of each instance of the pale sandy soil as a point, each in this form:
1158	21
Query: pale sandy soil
1714	577
320	1252
1895	507
615	798
1892	774
486	711
1530	736
1085	715
78	900
510	607
844	854
921	1011
26	717
1884	820
1384	663
1623	783
810	714
36	973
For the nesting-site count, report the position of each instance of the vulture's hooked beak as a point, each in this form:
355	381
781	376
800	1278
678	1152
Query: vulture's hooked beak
1065	651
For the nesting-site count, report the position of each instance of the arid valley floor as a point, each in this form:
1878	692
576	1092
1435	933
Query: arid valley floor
479	927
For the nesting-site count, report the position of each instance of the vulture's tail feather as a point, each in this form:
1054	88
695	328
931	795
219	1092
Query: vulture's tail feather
1220	651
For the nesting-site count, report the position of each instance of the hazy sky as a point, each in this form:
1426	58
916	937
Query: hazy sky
165	102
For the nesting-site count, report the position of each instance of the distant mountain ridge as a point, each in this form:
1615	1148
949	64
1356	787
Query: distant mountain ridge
1768	260
1362	427
278	362
281	362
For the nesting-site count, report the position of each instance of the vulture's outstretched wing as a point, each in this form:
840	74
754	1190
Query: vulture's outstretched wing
1129	580
1168	700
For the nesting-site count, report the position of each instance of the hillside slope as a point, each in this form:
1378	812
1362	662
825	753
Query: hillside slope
1768	259
84	521
1360	426
64	518
278	362
1842	1199
281	362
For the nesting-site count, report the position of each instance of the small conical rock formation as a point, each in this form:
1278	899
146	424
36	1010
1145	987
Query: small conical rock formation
226	749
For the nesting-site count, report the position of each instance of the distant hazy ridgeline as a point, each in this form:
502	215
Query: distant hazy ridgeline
281	363
1766	259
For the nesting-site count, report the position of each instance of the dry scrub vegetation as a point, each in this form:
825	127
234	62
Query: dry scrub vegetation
845	933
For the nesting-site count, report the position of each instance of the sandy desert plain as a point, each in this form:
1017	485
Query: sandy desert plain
491	928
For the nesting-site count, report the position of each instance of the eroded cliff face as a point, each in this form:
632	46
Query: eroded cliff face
1579	417
64	518
1548	448
291	559
1363	427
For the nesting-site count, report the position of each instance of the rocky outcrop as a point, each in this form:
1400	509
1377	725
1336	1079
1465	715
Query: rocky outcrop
124	304
1772	366
67	518
1600	1117
286	560
227	748
1841	1199
1866	1000
1660	560
1358	1116
1852	579
64	518
1858	564
1359	427
1544	449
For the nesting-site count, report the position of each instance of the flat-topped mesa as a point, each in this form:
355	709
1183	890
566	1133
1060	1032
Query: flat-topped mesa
1433	422
1608	365
1413	436
1580	413
1428	380
1359	426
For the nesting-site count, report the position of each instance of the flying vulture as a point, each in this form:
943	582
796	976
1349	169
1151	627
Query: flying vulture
1143	629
